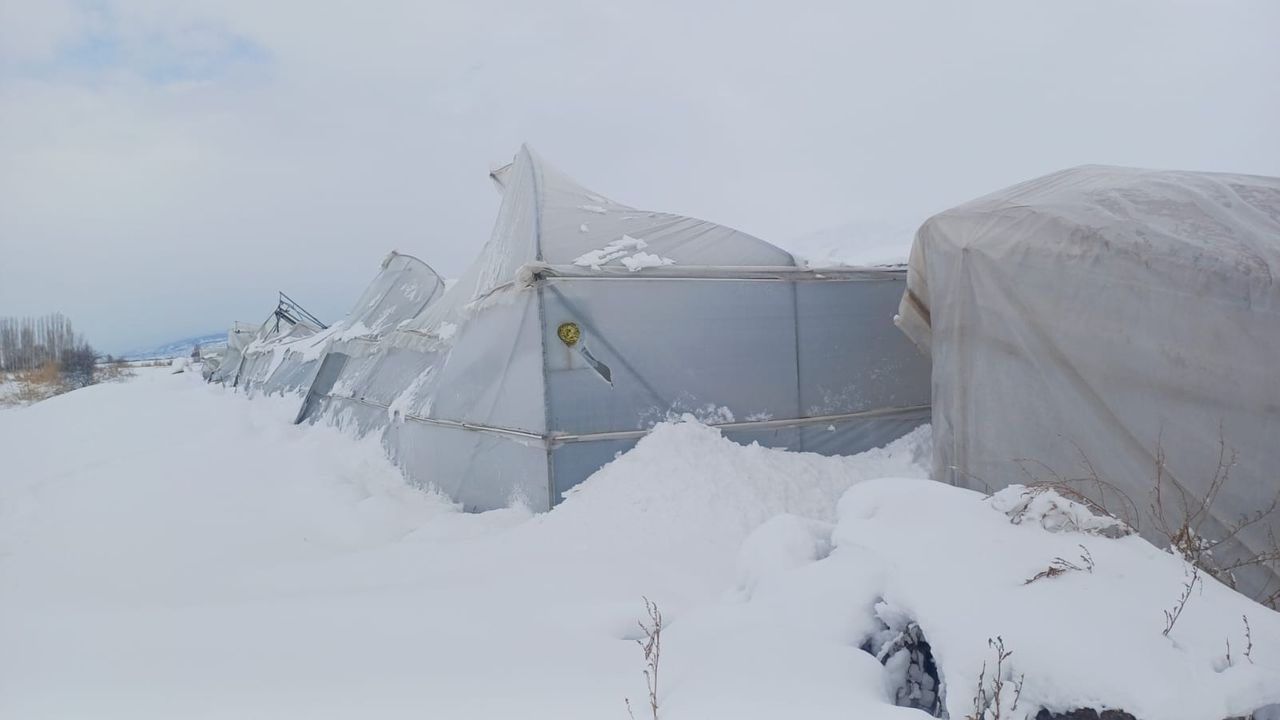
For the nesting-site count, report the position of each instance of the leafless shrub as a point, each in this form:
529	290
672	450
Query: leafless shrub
1180	518
651	645
1058	566
1171	615
990	696
1107	499
77	366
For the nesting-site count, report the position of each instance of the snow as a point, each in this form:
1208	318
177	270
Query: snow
854	244
625	250
10	389
357	329
1044	506
1082	635
171	549
312	347
685	409
642	260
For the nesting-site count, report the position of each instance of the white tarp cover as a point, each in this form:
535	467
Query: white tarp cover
480	396
1081	322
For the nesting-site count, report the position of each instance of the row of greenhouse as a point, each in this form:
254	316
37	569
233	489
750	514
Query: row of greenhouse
1099	326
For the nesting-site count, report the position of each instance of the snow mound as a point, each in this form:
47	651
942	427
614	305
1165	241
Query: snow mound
923	579
1082	638
194	554
686	487
783	543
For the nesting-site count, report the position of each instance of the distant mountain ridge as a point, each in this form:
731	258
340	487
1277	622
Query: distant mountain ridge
178	348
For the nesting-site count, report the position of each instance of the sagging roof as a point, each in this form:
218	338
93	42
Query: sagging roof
548	219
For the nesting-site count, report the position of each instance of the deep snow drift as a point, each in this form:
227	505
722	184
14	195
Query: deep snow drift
169	549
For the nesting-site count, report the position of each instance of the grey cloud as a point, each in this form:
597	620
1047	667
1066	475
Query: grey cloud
222	150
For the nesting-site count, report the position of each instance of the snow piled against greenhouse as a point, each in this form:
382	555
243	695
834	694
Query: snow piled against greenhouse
168	549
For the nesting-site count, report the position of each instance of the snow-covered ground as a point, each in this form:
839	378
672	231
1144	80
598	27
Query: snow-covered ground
15	391
169	549
10	389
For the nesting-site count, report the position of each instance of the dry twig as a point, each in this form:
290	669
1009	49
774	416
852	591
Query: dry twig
1171	615
988	702
1181	518
651	645
1058	566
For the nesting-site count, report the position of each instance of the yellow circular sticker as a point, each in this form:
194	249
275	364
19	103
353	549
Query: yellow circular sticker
569	333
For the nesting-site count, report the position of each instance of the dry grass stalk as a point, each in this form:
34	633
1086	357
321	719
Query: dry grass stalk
1171	615
1248	639
988	702
41	383
651	645
1059	566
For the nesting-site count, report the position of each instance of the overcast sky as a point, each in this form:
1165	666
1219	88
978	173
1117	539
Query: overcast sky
166	166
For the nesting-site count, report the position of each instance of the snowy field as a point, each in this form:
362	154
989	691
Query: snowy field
10	389
169	549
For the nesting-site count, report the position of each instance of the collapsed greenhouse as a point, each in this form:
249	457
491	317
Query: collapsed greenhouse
584	322
1117	330
289	324
288	347
223	366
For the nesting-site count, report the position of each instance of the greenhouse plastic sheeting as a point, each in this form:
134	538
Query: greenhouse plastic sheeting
1085	322
584	322
238	338
263	356
287	363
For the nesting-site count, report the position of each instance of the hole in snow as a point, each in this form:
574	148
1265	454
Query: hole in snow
912	678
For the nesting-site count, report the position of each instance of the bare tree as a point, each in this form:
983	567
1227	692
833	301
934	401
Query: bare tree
31	342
